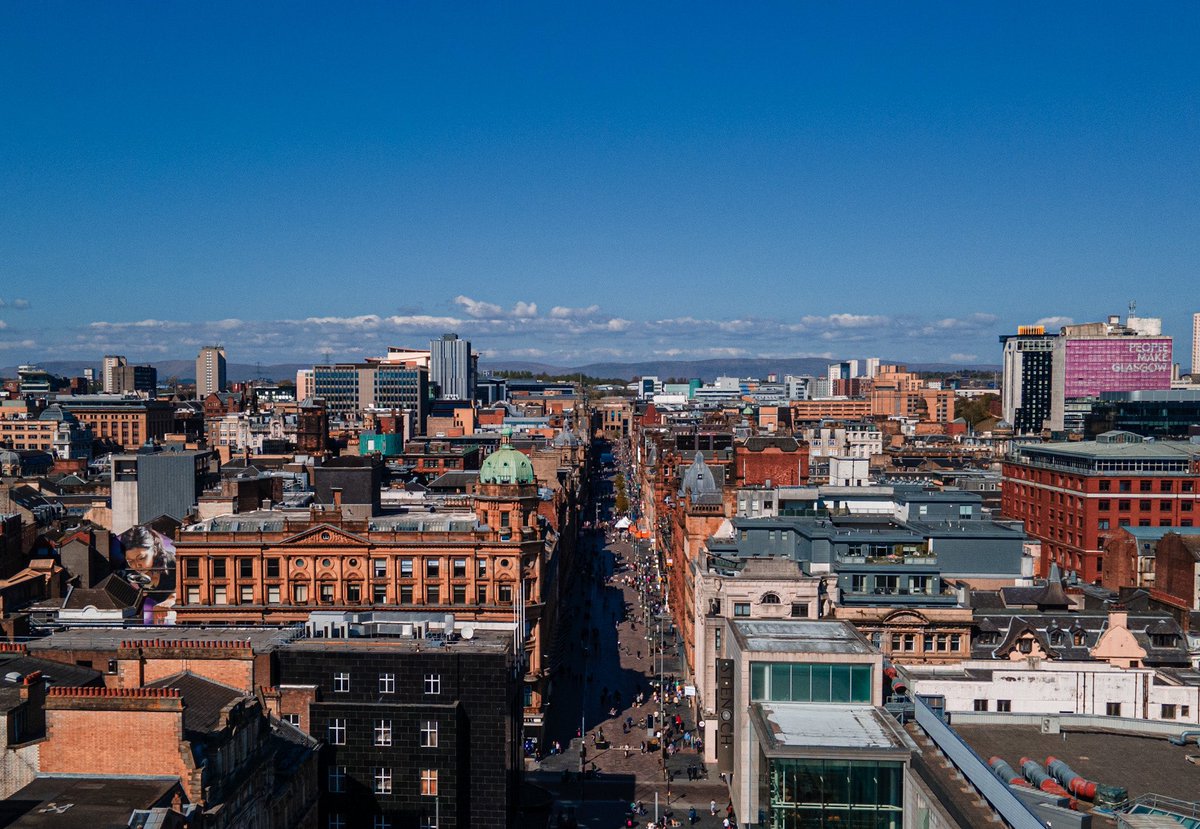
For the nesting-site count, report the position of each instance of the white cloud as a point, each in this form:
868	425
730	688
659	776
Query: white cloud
3	325
478	310
525	310
964	358
1054	323
561	312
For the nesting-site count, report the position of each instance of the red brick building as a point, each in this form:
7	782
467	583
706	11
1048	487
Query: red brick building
781	460
1072	496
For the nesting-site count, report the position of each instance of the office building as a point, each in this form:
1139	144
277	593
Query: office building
1098	357
210	371
349	389
1196	344
108	378
1026	393
1073	495
126	421
452	367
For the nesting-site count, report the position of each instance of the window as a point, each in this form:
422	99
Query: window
481	594
809	682
799	610
245	568
272	568
1113	709
193	595
433	683
337	732
1106	486
341	682
219	595
429	787
336	821
327	592
433	594
382	822
1144	505
505	593
769	598
741	608
429	734
383	732
406	568
458	594
1145	486
273	594
300	593
1123	505
246	594
1102	524
1168	712
458	568
1125	486
406	594
218	568
337	779
1105	504
481	568
433	567
383	781
387	683
191	568
379	594
353	591
1185	506
981	705
1004	706
379	568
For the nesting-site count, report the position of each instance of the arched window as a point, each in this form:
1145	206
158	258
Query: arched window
769	598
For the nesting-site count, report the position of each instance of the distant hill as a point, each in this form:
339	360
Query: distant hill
706	370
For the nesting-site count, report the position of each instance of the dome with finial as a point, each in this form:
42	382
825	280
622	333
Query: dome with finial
506	465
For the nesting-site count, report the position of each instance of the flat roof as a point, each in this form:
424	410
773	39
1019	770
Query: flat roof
794	725
1142	764
482	641
800	636
93	802
261	640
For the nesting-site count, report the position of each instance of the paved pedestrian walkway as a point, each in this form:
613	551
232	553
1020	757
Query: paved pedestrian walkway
609	640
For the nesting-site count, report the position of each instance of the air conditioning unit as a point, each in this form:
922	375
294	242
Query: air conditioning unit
1050	725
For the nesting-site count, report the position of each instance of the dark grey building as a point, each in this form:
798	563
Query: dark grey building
354	482
416	732
150	484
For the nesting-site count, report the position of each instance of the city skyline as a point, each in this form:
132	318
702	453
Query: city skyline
786	181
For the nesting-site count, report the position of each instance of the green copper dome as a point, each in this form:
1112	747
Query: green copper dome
506	465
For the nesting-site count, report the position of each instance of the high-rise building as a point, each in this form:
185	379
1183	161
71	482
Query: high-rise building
1096	357
452	367
141	380
1195	345
109	378
871	367
210	371
1025	397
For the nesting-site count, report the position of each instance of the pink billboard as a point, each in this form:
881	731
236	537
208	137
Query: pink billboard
1094	366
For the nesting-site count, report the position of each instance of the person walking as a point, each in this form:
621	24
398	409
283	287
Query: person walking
712	808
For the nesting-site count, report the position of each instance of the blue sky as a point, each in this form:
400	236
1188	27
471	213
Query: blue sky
569	182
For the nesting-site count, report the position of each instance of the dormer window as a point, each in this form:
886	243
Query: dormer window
769	598
1079	638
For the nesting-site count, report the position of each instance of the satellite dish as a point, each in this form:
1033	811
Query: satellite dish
467	631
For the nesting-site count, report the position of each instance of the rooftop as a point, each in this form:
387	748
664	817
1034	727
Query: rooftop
1157	766
261	640
844	728
800	636
94	802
